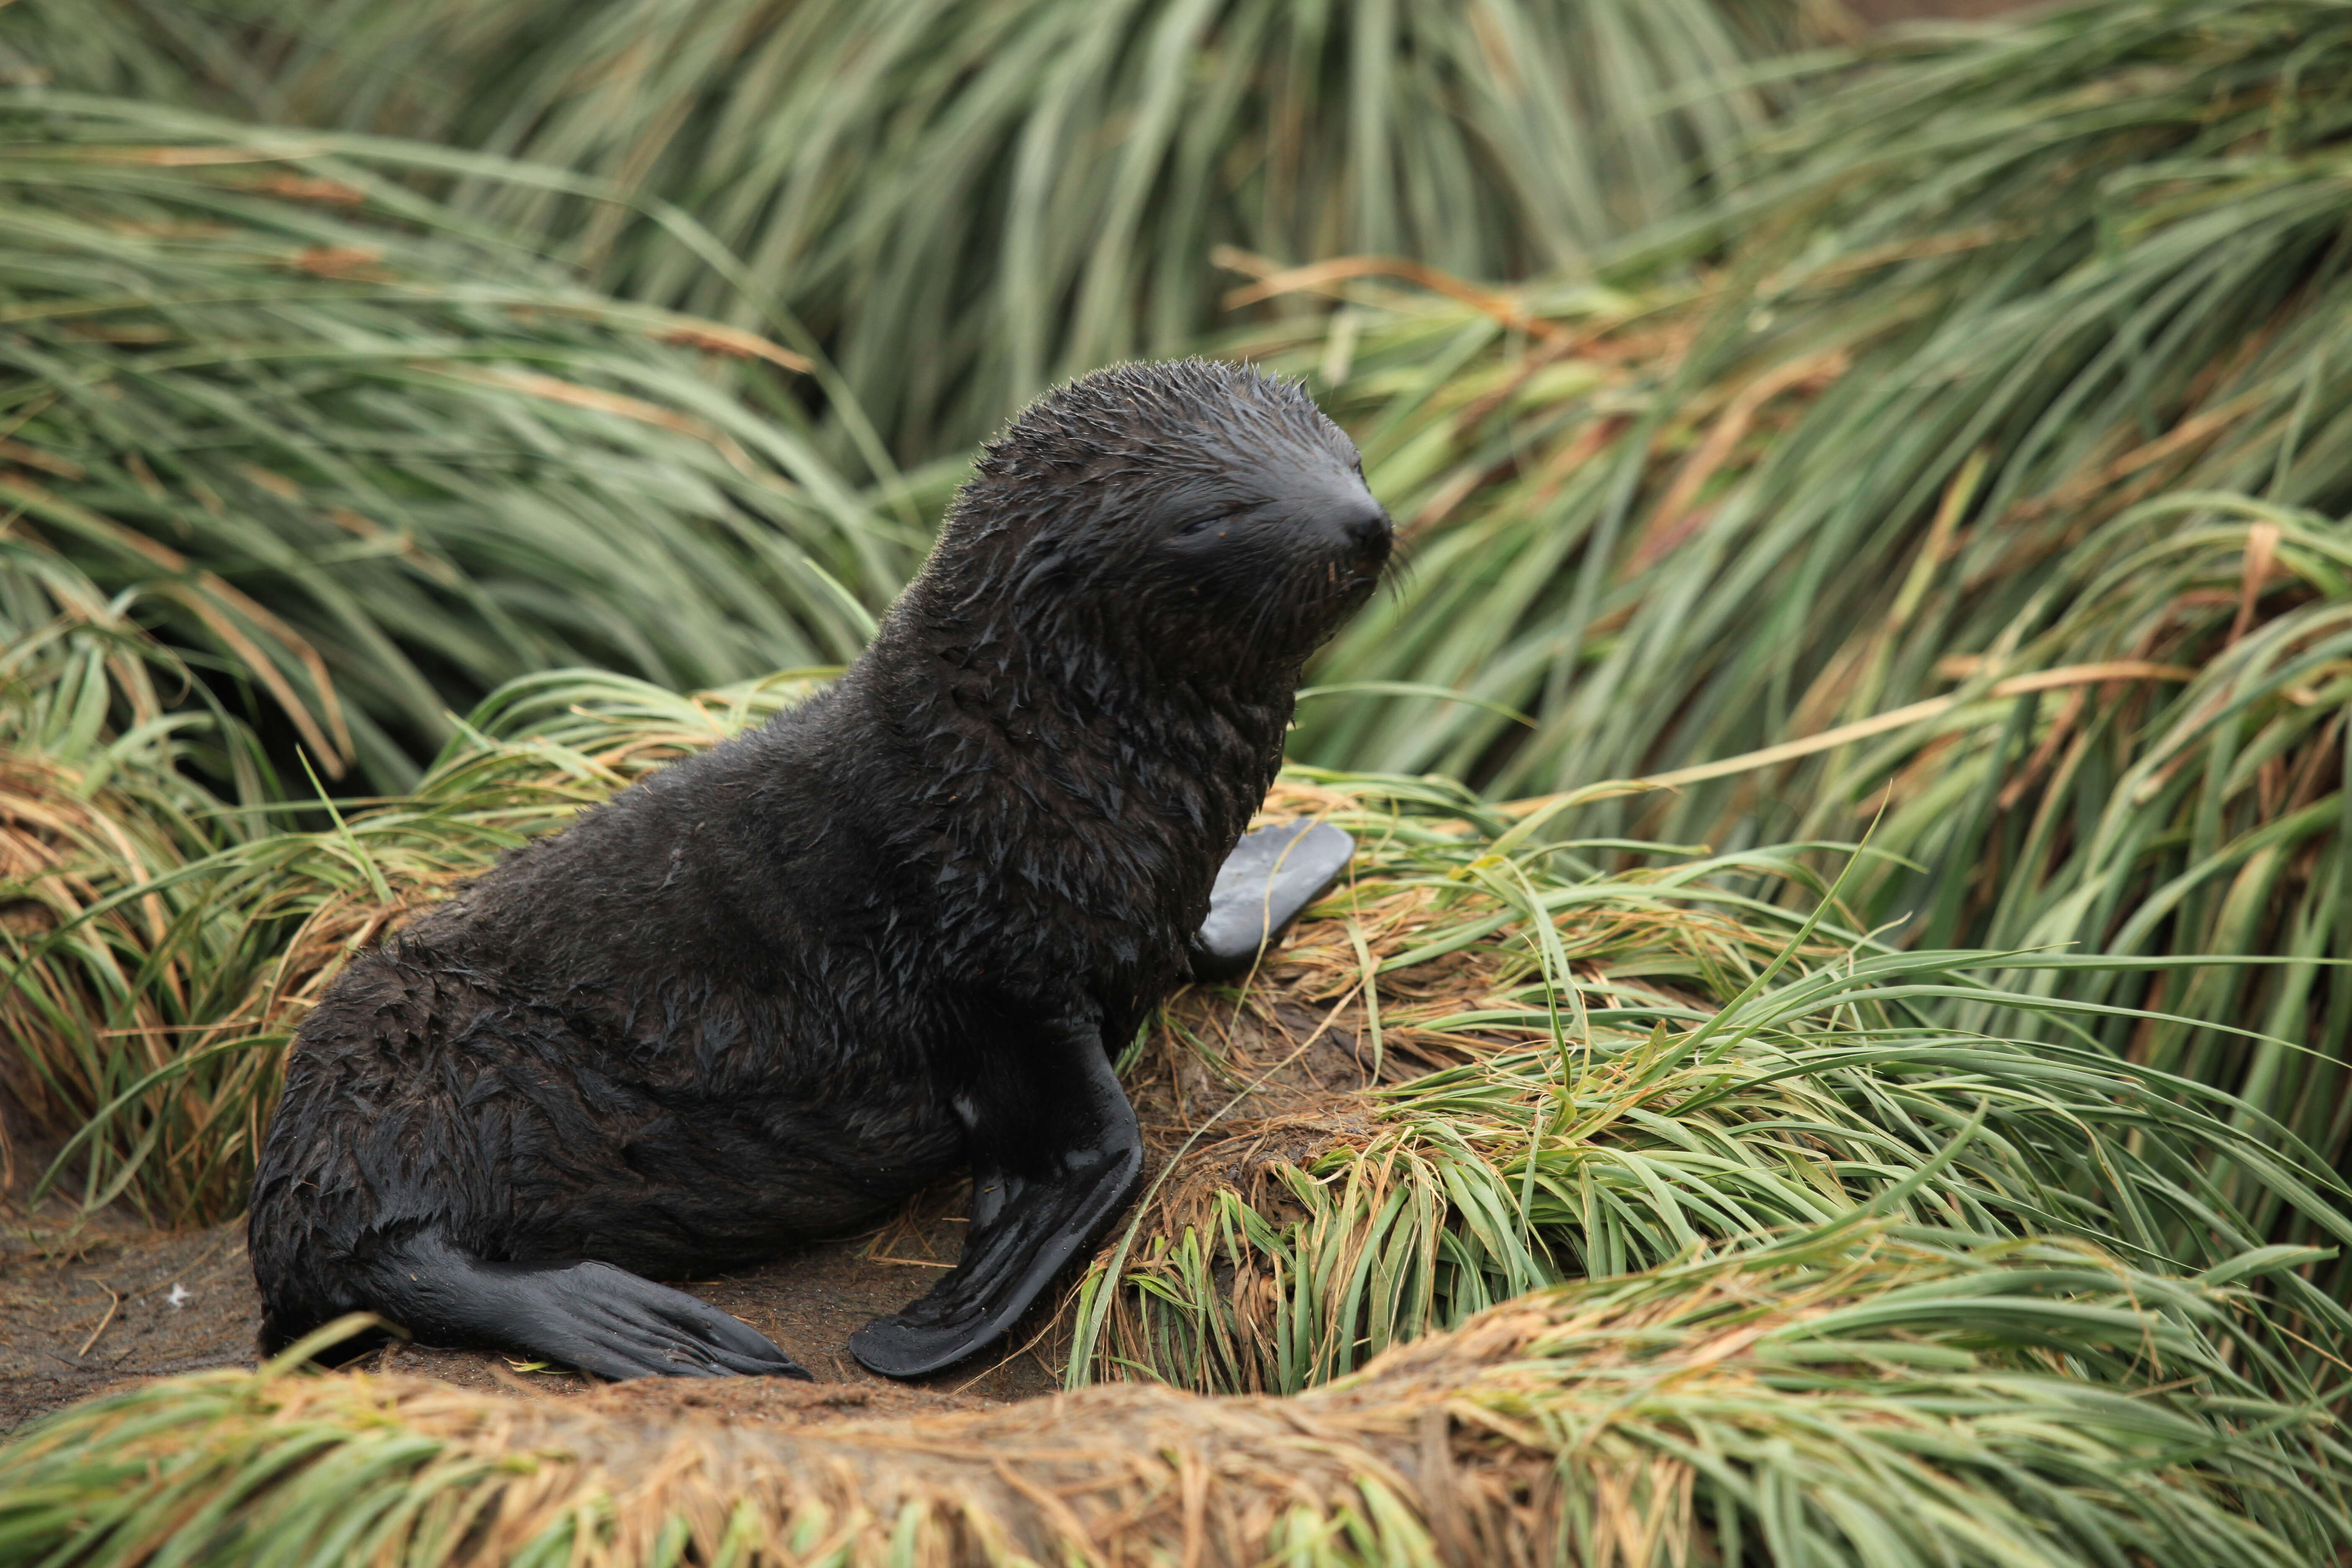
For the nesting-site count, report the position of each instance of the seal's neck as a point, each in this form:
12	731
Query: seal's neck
1071	803
1061	724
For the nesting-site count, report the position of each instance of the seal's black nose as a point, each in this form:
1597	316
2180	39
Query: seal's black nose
1335	514
1368	531
1369	528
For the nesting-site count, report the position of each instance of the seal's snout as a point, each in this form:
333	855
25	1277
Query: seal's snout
1349	523
1334	513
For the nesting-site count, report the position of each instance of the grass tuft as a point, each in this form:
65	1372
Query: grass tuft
1990	486
966	199
373	460
1879	1398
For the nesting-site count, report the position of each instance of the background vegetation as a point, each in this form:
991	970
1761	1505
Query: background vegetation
2025	358
377	456
1797	436
967	199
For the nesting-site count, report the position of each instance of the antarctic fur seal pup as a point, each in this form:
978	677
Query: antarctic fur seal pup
769	991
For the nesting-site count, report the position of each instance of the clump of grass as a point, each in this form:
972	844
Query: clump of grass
1980	305
1994	482
1489	1065
2202	810
377	456
1880	1397
1587	1072
158	977
105	734
965	200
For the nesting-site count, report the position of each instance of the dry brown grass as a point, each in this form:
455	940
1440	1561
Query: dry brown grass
158	951
1619	1424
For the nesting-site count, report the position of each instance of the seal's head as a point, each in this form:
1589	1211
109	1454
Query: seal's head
1194	517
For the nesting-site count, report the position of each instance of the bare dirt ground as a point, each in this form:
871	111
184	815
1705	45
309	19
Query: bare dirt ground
87	1308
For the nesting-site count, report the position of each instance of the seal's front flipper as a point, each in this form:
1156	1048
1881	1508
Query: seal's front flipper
592	1316
1272	874
1055	1155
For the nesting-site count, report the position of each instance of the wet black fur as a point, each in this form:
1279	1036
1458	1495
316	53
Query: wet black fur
733	1009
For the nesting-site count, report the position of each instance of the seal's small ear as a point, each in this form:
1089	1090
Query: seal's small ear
1272	874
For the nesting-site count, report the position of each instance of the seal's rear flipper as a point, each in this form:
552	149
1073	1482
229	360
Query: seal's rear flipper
593	1316
1055	1157
1272	874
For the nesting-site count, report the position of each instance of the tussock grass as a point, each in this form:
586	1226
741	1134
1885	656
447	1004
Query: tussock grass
1588	1179
1588	1071
966	199
1493	1099
1675	520
1994	482
375	459
1880	1397
98	747
155	984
